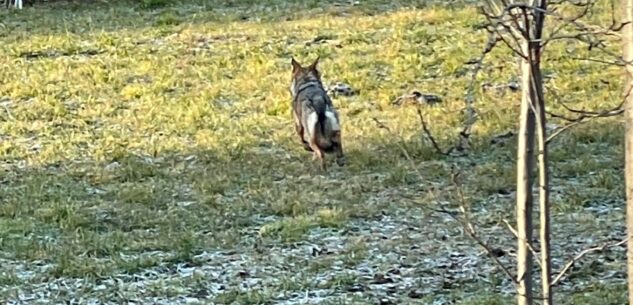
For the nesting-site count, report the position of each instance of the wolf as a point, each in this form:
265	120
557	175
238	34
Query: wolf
317	122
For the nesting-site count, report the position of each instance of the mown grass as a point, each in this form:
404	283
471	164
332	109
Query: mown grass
127	129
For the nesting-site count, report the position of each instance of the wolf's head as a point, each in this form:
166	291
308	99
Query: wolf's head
304	75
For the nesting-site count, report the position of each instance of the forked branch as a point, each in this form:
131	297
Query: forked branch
584	115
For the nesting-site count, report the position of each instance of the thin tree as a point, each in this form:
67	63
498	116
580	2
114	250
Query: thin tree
525	201
532	120
538	101
520	27
627	52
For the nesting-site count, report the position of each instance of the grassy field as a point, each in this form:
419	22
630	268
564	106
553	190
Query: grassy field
148	156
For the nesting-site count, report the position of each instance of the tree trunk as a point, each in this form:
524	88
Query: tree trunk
524	204
544	206
627	51
538	100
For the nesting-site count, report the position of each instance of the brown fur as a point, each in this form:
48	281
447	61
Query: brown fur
309	99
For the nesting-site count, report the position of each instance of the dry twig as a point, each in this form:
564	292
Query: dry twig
580	255
469	228
584	115
383	126
428	134
516	235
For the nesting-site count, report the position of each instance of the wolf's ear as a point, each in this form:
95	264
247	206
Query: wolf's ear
295	65
313	66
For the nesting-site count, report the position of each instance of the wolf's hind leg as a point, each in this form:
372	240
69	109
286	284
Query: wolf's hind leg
300	132
318	153
337	147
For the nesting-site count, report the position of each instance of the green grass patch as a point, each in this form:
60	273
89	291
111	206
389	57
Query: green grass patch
135	138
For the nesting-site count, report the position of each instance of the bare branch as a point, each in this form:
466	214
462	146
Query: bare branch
383	126
585	115
606	62
580	119
6	108
497	21
469	228
586	31
428	134
578	3
592	113
561	130
516	235
565	23
580	255
464	135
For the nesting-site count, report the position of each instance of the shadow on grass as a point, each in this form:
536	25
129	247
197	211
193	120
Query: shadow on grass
220	190
82	217
181	202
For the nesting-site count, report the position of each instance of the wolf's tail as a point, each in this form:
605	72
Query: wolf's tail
320	107
322	119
